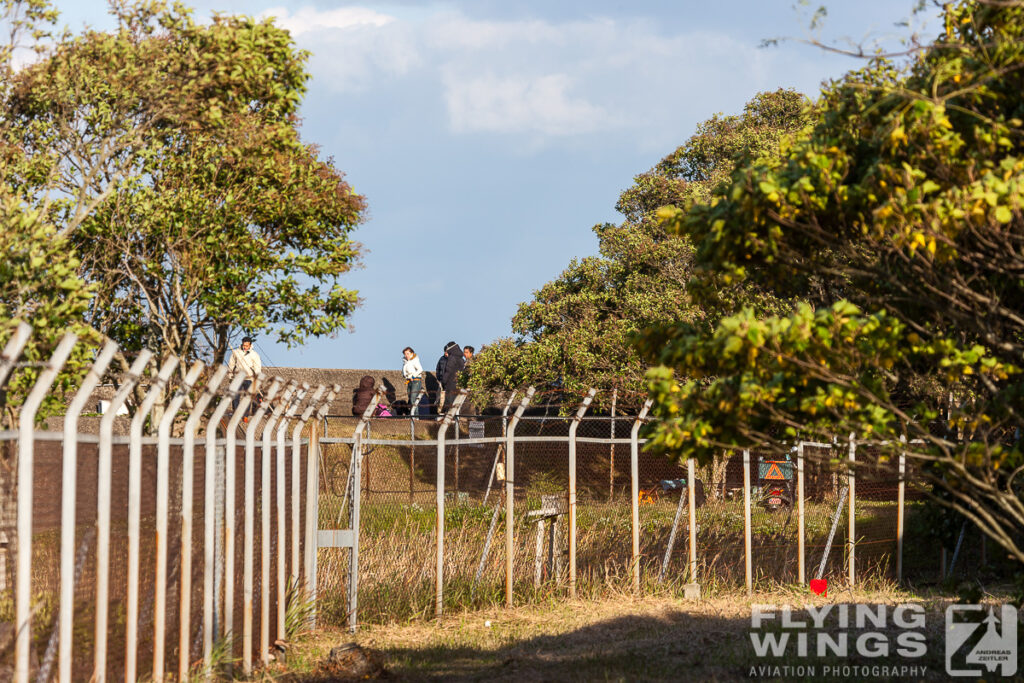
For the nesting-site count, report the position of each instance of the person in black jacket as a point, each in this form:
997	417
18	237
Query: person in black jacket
439	374
455	363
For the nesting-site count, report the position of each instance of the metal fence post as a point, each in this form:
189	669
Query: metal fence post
851	540
510	471
634	484
26	465
13	348
163	499
458	435
611	448
355	471
900	499
497	451
69	497
187	472
572	489
248	568
439	570
266	503
314	402
279	487
135	513
102	520
230	484
313	501
8	357
801	570
213	565
691	505
747	560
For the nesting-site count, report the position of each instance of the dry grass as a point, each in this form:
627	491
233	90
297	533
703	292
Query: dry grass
617	638
398	545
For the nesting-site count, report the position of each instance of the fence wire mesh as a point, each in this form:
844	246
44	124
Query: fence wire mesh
399	513
46	529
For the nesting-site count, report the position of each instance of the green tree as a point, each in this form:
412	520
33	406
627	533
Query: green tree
900	210
40	277
576	331
167	154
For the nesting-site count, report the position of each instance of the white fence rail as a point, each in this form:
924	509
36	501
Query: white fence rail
144	588
120	586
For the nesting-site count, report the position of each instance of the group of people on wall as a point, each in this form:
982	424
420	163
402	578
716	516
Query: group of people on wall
421	400
453	361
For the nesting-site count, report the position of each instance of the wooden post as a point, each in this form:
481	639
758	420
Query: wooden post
748	565
801	570
556	549
538	556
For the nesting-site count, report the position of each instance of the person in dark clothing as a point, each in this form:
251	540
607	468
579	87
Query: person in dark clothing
439	374
455	364
362	395
439	370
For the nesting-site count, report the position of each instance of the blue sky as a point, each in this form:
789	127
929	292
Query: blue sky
489	137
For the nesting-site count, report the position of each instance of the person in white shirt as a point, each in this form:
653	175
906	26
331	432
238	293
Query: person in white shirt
412	371
246	361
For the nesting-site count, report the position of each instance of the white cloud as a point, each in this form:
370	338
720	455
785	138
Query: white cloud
518	104
308	19
452	32
353	48
542	79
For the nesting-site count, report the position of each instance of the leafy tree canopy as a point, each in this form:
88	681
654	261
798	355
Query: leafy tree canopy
166	156
576	331
899	214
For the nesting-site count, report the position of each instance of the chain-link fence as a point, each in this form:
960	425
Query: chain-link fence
175	545
133	553
206	569
399	526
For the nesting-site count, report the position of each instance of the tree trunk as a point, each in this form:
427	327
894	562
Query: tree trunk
718	471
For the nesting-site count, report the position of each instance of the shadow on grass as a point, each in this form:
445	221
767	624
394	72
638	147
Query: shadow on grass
670	645
674	645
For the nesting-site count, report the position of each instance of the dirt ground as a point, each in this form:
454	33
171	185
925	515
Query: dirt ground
626	639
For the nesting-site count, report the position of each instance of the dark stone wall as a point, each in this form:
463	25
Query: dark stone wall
349	380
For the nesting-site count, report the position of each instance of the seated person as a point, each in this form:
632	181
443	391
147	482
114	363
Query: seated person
362	395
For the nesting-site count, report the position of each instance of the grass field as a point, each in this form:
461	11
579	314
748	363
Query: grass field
618	637
397	557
